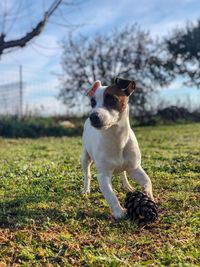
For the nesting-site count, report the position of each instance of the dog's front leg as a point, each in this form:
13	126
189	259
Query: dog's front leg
105	185
140	176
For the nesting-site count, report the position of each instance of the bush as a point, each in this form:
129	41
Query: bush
168	115
34	127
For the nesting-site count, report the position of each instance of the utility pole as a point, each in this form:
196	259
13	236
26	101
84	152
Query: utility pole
20	93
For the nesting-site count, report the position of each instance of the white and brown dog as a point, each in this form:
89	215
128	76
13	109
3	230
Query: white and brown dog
110	143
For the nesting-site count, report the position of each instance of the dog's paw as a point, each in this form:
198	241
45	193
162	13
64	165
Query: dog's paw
119	214
149	194
85	191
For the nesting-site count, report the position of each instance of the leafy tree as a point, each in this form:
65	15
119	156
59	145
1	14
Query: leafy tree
129	52
184	51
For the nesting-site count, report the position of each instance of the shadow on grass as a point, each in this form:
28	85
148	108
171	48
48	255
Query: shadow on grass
17	213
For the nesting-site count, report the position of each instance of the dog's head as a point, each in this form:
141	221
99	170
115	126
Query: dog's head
109	102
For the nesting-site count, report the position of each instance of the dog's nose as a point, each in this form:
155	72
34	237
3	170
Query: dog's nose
95	120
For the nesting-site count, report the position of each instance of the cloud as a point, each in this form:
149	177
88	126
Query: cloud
157	16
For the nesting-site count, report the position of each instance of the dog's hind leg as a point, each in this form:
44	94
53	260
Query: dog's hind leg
140	176
86	163
125	182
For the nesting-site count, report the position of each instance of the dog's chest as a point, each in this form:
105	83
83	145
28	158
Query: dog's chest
113	154
111	149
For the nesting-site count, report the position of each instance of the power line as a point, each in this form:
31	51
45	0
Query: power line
15	18
29	13
46	47
39	53
65	25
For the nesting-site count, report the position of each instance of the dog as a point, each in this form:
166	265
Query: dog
110	143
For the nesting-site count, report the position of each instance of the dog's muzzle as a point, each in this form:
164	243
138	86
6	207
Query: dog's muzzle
95	120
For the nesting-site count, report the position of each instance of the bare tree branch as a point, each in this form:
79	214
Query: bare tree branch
21	42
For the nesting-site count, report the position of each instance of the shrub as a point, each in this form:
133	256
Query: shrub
34	127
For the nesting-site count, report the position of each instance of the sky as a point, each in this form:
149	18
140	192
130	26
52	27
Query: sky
41	58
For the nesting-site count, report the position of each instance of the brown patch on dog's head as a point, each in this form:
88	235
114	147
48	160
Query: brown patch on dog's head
115	98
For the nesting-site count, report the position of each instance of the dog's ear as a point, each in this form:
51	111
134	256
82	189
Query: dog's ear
129	90
127	86
96	85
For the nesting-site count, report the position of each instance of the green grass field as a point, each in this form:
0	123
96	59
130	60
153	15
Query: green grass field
45	221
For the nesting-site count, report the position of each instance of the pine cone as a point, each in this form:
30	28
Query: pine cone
140	208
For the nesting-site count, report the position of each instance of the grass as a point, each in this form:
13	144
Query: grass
45	221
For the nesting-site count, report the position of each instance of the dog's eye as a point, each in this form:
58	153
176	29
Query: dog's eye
110	101
93	102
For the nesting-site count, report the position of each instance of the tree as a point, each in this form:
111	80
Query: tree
11	15
129	52
184	53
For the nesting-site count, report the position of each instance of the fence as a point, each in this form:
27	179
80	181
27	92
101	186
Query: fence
27	96
10	99
33	97
20	99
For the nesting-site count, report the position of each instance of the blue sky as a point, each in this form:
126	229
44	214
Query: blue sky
41	59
